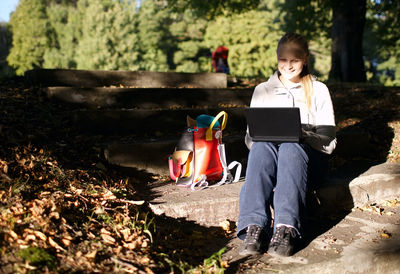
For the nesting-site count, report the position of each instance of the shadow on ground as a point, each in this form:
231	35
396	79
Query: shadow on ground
33	125
31	120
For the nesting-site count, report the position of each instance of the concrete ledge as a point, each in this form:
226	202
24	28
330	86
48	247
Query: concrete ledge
211	206
378	183
150	122
144	79
152	156
148	98
207	207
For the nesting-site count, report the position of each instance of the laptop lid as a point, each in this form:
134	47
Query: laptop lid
274	124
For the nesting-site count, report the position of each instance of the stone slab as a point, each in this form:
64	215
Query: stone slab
211	206
150	98
207	207
351	244
153	123
144	79
378	183
153	156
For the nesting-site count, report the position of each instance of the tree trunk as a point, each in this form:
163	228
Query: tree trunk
348	20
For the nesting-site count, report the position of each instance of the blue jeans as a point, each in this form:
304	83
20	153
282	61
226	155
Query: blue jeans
278	174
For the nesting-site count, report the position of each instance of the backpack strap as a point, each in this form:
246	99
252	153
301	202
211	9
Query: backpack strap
223	125
200	184
178	164
227	177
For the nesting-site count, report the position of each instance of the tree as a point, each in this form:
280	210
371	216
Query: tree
65	22
109	35
29	27
156	43
348	18
382	41
341	21
347	36
251	38
5	44
212	8
190	53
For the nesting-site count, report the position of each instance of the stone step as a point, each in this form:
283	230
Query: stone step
144	79
150	98
153	123
213	205
153	156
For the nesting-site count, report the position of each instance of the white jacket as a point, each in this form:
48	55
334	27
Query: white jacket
318	123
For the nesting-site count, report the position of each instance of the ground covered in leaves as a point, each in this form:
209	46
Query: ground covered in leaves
367	125
63	209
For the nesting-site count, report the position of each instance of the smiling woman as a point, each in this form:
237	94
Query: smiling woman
6	8
278	174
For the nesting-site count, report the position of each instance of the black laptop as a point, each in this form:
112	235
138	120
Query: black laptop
274	124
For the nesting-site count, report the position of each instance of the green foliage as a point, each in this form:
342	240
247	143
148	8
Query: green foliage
153	32
180	35
211	8
251	38
382	42
65	22
214	262
5	44
5	38
191	53
109	40
30	31
38	257
310	18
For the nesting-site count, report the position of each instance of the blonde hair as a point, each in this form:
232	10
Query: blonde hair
301	52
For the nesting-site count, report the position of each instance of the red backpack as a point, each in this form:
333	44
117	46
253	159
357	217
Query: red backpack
199	156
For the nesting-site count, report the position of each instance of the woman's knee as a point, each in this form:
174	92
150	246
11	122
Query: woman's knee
293	150
263	152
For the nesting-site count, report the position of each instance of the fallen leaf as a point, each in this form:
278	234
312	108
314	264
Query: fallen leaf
109	195
105	231
132	202
144	260
54	244
91	255
40	235
13	234
385	235
30	237
224	264
107	239
54	215
131	246
125	233
225	225
65	242
148	270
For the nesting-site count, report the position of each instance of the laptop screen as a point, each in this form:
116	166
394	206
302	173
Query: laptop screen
274	124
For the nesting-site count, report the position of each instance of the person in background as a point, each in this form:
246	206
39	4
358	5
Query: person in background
220	59
278	175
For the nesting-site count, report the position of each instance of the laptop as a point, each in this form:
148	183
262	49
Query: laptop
274	124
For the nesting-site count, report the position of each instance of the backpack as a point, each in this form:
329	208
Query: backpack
199	156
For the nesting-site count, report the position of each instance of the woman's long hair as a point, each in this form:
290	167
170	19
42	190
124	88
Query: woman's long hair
302	52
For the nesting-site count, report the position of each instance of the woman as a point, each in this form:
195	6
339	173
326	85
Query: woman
278	174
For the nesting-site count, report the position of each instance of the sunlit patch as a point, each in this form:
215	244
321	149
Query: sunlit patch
347	122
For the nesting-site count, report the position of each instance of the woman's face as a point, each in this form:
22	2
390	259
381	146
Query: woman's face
290	66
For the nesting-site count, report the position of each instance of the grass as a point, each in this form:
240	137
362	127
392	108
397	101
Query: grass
37	257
